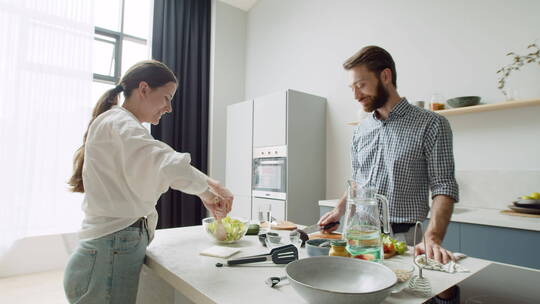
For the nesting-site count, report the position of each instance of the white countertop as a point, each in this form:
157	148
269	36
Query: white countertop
174	256
481	216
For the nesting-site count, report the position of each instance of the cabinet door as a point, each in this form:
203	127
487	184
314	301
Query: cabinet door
270	120
239	148
506	245
277	206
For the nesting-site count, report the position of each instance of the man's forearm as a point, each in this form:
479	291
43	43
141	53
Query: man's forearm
441	212
342	204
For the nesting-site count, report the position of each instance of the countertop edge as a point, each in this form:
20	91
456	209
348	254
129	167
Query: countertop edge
176	282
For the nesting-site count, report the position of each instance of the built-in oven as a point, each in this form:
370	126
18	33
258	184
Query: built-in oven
270	172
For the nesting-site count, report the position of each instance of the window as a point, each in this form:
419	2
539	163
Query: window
122	31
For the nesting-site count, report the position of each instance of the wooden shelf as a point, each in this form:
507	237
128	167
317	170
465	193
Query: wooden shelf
482	108
490	107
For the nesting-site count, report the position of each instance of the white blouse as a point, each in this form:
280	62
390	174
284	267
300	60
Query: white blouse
125	171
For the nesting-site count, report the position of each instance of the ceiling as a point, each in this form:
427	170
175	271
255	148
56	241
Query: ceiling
245	5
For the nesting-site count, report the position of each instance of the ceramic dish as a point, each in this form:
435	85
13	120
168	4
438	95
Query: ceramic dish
464	101
524	210
339	280
530	206
313	247
528	202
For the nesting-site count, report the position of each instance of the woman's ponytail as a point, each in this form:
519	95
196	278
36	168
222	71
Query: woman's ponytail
153	72
105	103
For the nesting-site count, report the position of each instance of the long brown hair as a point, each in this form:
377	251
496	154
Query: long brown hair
155	73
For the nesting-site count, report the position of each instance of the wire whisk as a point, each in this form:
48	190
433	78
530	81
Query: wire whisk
418	283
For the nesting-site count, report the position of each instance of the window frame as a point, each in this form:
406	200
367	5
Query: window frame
118	45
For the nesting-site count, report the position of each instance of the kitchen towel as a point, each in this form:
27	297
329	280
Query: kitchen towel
219	251
450	267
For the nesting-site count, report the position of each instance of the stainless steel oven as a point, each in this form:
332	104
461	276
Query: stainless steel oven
270	172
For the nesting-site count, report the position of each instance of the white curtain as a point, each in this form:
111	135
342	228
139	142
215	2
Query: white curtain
45	105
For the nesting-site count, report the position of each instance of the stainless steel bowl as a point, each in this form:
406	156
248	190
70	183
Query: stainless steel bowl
340	280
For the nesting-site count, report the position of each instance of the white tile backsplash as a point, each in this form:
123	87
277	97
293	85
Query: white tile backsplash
495	188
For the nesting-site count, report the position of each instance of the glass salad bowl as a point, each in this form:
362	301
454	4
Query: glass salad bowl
234	229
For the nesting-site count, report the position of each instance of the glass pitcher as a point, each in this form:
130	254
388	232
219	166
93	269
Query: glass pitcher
362	228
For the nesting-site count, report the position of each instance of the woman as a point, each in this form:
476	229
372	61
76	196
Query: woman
123	170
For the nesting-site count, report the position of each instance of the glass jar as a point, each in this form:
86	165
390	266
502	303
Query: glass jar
338	248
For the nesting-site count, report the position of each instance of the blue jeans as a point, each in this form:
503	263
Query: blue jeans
106	270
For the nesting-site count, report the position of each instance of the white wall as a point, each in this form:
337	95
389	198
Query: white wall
37	254
448	47
228	68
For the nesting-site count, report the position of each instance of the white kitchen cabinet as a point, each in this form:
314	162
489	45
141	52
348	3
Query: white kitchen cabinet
239	155
278	208
241	206
270	120
289	121
239	148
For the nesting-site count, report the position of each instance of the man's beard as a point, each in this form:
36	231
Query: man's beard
379	100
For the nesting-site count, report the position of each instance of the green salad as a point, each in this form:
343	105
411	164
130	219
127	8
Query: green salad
234	228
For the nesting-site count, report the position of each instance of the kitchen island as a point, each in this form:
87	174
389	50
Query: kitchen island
174	257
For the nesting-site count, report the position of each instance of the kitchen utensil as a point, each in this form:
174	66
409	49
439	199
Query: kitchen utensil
305	233
273	281
279	255
340	280
294	237
262	239
316	227
420	284
273	240
362	228
464	101
313	247
524	210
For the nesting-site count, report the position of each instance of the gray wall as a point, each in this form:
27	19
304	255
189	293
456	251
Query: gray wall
448	47
227	76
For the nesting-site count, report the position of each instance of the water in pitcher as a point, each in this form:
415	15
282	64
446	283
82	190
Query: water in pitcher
364	242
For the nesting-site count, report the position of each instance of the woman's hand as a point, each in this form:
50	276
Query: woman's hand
217	199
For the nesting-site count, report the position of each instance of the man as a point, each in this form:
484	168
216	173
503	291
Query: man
404	152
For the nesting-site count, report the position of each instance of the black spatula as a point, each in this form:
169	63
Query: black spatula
279	255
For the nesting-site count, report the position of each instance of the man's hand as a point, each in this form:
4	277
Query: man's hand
441	211
434	251
329	217
334	215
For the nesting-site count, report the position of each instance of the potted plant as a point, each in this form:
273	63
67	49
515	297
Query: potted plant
518	61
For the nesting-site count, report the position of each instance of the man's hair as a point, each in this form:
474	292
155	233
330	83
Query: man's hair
375	58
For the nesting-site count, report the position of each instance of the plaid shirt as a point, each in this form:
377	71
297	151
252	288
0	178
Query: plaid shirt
404	157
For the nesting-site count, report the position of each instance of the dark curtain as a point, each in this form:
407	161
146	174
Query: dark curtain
181	40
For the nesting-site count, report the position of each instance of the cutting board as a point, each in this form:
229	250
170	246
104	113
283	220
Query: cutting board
281	225
318	235
510	212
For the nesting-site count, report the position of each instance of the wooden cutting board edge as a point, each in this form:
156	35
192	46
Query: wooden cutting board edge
513	213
